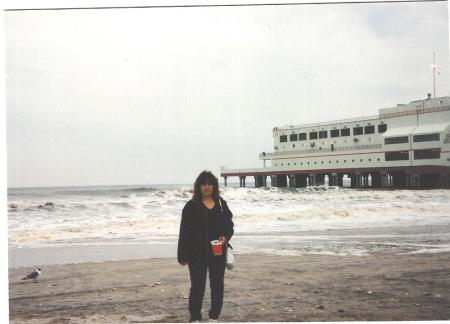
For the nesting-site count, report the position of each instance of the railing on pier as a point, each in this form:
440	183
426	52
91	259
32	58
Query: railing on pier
341	121
321	150
367	118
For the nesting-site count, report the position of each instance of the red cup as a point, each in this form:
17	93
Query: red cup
217	247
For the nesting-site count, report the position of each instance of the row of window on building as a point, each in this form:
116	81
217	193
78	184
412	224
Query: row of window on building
416	139
398	156
418	155
360	130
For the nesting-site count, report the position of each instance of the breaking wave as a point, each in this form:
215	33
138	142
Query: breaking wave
90	214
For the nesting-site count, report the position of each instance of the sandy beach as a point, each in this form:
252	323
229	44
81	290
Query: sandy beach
262	288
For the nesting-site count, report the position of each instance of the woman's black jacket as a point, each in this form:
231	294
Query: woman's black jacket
199	226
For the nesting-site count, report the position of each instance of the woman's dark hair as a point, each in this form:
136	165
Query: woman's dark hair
206	177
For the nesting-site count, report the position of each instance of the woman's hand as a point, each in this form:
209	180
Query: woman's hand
223	239
183	263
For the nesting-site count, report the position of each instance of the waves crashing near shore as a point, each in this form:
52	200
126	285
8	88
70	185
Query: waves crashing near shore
89	214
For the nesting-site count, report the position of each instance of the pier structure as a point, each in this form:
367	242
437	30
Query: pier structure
407	146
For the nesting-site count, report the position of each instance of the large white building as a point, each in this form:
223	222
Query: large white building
407	146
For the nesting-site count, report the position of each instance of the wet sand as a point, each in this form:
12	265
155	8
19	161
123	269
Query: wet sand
376	287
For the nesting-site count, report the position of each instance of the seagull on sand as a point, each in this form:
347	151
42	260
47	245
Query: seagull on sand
33	275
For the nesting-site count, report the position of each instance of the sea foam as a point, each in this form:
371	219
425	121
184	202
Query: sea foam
114	215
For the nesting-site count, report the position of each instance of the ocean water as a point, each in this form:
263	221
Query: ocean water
95	224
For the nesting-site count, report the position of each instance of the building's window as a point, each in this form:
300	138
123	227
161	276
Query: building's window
427	154
426	137
345	132
283	138
382	128
396	156
396	140
369	129
358	130
312	135
334	133
302	137
293	137
323	134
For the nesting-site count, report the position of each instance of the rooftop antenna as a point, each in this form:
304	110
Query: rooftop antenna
434	67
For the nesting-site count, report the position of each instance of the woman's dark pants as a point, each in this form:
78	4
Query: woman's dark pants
198	270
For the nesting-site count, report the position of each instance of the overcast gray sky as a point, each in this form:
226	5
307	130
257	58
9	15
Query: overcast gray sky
156	95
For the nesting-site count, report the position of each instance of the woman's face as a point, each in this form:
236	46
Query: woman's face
206	189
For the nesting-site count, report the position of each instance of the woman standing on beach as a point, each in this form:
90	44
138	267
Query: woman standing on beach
206	217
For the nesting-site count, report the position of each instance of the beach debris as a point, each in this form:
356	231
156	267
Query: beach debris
320	307
341	311
261	309
427	294
288	309
369	292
